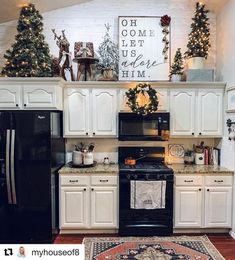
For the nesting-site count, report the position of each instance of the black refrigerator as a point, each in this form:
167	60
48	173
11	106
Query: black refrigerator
32	150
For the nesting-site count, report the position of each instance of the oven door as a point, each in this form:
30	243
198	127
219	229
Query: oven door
145	204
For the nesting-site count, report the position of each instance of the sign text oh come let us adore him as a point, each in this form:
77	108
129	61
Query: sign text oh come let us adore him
143	49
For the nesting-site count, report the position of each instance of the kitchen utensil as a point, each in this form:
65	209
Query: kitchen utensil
132	161
91	147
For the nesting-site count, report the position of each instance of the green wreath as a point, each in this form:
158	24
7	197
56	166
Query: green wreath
132	95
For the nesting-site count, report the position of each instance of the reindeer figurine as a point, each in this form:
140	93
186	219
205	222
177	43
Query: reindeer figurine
65	60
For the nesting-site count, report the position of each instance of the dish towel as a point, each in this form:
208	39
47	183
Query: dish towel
148	194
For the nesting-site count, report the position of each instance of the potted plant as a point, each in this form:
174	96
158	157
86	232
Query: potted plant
176	70
108	57
198	39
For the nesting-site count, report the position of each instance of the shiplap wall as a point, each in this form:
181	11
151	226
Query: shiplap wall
85	22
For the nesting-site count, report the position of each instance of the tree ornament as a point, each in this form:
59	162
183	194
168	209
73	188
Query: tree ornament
198	43
29	51
142	99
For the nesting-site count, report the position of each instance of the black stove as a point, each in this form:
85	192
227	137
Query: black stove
145	166
153	180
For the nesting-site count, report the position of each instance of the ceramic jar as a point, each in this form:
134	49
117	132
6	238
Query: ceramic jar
88	158
77	157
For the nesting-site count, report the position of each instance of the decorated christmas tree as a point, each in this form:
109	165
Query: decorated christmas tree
177	66
108	52
198	39
29	55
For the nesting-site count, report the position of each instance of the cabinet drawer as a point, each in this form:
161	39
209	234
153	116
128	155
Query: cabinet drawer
188	180
74	180
219	180
104	180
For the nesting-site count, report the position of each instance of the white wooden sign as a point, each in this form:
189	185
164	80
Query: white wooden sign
141	49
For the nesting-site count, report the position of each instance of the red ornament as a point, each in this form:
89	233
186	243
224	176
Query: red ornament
165	20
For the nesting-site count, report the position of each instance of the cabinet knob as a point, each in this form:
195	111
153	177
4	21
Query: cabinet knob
17	105
93	133
199	189
92	189
84	189
25	105
86	133
200	133
208	189
192	133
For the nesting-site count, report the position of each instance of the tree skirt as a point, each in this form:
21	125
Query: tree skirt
151	248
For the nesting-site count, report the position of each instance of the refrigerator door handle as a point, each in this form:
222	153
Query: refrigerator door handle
8	166
13	186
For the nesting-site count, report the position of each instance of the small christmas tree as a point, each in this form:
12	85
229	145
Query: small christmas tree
198	41
29	56
108	52
177	66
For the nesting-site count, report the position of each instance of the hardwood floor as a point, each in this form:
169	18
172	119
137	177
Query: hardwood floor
223	242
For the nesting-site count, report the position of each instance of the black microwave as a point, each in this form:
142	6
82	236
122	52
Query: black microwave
151	127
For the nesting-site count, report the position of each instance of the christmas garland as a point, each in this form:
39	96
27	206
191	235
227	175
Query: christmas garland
148	92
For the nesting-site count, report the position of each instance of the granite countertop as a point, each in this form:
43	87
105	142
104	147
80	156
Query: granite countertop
98	168
177	168
199	169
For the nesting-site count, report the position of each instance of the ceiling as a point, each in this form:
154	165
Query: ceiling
10	8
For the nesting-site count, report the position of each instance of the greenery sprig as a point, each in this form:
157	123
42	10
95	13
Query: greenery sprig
144	89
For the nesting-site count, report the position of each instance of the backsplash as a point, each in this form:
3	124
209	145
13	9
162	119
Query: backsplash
109	147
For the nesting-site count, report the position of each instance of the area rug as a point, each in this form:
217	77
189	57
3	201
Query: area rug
151	248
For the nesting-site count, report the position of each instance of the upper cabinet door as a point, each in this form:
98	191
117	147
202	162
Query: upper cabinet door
76	112
104	112
182	112
10	97
162	94
210	104
40	96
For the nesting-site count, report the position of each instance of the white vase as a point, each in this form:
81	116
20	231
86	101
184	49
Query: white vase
77	157
176	78
196	63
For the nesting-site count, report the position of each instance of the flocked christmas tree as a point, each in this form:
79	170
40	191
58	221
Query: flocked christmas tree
198	39
108	52
29	55
177	66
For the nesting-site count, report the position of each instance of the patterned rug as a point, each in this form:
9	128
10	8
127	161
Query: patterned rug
154	248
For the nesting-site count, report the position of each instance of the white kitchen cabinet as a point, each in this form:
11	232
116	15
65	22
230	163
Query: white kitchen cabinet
218	201
76	111
90	113
203	201
10	96
162	95
88	202
103	207
210	108
182	112
188	206
73	207
104	112
31	94
40	96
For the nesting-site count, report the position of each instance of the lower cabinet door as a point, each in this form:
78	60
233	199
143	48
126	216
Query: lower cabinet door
188	207
74	207
104	207
218	210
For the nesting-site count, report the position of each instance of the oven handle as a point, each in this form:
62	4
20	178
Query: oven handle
158	180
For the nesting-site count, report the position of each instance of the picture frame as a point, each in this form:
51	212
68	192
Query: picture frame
144	48
231	100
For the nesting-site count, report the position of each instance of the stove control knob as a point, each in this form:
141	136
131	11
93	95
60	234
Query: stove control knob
128	176
135	176
146	177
